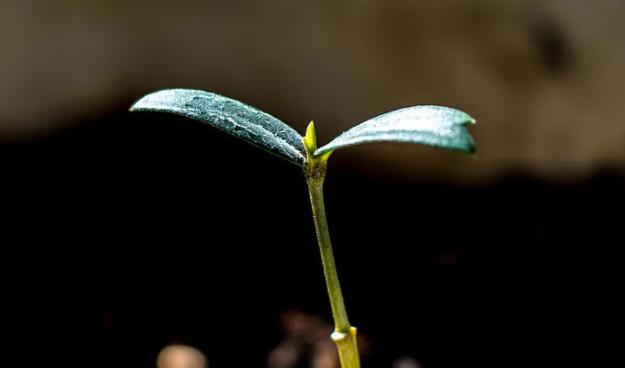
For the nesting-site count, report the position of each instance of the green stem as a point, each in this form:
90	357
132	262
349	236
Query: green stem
315	188
344	334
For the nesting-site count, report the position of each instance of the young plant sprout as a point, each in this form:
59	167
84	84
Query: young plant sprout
437	126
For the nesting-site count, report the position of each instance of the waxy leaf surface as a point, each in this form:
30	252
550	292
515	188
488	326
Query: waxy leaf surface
437	126
234	117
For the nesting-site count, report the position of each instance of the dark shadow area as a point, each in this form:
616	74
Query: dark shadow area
134	231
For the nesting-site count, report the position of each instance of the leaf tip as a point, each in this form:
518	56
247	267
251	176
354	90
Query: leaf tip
471	149
133	107
140	104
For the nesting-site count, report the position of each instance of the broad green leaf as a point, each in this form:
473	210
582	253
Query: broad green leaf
437	126
231	116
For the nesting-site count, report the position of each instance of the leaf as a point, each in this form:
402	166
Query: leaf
437	126
231	116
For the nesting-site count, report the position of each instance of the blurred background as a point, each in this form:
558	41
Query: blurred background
124	233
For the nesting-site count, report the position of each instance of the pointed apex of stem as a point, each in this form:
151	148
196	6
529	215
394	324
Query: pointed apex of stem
315	167
310	139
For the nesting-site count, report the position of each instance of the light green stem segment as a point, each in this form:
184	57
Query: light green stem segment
344	334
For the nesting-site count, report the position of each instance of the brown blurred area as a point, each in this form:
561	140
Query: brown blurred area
180	356
544	79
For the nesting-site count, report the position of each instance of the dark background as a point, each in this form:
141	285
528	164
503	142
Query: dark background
137	231
124	232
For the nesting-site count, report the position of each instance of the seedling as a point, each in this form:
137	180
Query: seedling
437	126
